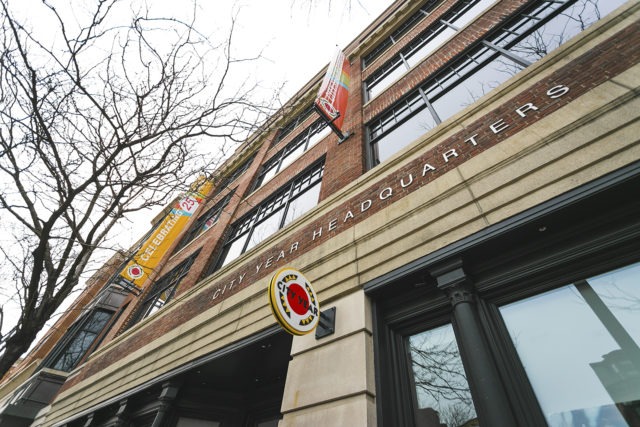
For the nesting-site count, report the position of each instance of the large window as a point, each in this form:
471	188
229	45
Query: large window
393	38
588	335
287	204
293	150
164	289
224	182
424	44
80	339
529	36
533	322
205	221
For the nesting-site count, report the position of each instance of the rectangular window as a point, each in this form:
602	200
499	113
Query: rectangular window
530	35
288	203
424	44
294	123
205	221
579	345
292	151
227	180
404	28
79	340
164	289
441	392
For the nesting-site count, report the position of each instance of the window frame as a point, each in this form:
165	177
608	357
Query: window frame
168	283
410	22
283	158
279	201
484	45
69	338
409	300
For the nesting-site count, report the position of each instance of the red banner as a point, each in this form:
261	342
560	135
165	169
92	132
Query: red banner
334	92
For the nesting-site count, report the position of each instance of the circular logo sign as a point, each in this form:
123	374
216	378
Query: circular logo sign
135	271
293	302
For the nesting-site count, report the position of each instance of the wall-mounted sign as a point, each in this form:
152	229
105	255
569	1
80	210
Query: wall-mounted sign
154	248
332	98
293	302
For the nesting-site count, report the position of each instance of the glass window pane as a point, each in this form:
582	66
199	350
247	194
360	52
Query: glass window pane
83	339
235	249
318	136
404	134
563	27
580	348
474	86
303	203
265	229
292	155
444	34
472	13
441	389
379	86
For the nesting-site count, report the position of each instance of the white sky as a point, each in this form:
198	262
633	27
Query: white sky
295	37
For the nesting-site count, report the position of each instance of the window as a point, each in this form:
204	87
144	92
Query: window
300	144
164	289
227	180
287	204
528	37
205	221
81	338
407	25
424	44
519	327
289	127
593	327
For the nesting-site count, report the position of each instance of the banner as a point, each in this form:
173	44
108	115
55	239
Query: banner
154	248
332	98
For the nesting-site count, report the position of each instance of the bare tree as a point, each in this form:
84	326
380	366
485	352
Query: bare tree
99	118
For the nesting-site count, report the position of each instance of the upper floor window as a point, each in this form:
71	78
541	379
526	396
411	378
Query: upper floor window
301	143
205	221
529	36
164	289
424	44
406	25
295	122
288	203
79	340
227	180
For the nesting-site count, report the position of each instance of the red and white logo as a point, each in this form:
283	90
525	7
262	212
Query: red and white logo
293	302
135	271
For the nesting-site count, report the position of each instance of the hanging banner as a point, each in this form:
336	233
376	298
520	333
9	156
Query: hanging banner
293	302
157	244
332	98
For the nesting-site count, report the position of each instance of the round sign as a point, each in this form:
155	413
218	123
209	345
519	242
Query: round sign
135	271
293	302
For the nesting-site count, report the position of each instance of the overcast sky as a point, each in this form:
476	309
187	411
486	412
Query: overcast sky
296	39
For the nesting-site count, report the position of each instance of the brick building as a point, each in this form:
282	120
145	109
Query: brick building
477	235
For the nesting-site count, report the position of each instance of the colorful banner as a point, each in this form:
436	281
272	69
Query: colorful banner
137	271
334	92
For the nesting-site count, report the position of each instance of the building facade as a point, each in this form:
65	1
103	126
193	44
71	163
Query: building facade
478	236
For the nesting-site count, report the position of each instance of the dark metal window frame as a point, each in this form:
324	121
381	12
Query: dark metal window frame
282	198
168	283
227	180
404	28
293	123
507	262
275	164
401	58
494	45
69	338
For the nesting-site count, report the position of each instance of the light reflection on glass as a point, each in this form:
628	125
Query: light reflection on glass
579	347
441	388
